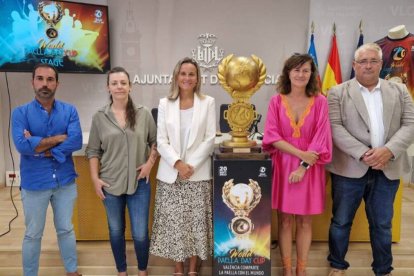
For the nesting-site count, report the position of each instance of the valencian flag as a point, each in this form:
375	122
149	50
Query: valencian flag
360	42
312	52
333	75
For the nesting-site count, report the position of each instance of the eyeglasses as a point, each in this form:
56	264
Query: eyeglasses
365	62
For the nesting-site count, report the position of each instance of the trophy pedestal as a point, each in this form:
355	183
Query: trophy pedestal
242	178
239	140
239	143
255	153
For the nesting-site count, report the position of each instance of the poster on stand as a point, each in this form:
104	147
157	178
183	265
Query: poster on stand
242	217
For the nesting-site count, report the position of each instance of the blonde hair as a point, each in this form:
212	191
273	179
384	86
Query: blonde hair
368	46
174	89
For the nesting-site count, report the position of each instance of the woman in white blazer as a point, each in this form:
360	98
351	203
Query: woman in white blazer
186	130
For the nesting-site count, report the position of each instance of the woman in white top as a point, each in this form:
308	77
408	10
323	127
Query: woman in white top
185	139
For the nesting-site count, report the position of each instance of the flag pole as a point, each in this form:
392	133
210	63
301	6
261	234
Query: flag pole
312	52
360	42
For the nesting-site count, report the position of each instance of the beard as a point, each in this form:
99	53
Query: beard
45	93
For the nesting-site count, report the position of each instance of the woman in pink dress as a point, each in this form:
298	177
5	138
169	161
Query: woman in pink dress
298	138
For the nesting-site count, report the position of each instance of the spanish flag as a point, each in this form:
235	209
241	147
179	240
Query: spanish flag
333	75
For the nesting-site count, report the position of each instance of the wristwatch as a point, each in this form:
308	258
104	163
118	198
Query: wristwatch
304	164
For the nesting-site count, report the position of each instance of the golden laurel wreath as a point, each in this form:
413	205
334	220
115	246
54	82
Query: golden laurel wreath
50	20
257	195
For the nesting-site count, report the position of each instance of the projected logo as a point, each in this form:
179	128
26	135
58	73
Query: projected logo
52	14
98	17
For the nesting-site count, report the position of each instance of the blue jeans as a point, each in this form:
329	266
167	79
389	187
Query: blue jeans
378	193
138	208
35	204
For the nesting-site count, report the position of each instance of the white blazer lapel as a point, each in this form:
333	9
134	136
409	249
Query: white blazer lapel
174	118
195	122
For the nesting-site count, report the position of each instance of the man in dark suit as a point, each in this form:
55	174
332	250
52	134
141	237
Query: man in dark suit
372	126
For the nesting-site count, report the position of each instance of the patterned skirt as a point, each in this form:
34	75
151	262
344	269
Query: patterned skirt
182	220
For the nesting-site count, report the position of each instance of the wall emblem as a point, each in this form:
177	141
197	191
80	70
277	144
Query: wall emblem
207	54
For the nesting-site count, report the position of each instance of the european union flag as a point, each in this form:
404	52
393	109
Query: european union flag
360	42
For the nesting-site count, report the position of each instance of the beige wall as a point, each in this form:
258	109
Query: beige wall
159	33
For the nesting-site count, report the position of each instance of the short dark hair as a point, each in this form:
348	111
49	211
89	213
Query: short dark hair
283	85
45	65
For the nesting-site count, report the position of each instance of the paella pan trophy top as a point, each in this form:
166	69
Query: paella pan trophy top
241	77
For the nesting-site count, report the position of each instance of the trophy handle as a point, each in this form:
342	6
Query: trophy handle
225	114
255	114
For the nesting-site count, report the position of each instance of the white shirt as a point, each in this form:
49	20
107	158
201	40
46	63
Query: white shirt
186	117
373	102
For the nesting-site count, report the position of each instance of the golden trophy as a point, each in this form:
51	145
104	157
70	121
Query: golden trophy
241	199
241	77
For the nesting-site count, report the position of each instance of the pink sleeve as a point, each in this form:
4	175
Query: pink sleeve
272	126
322	139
